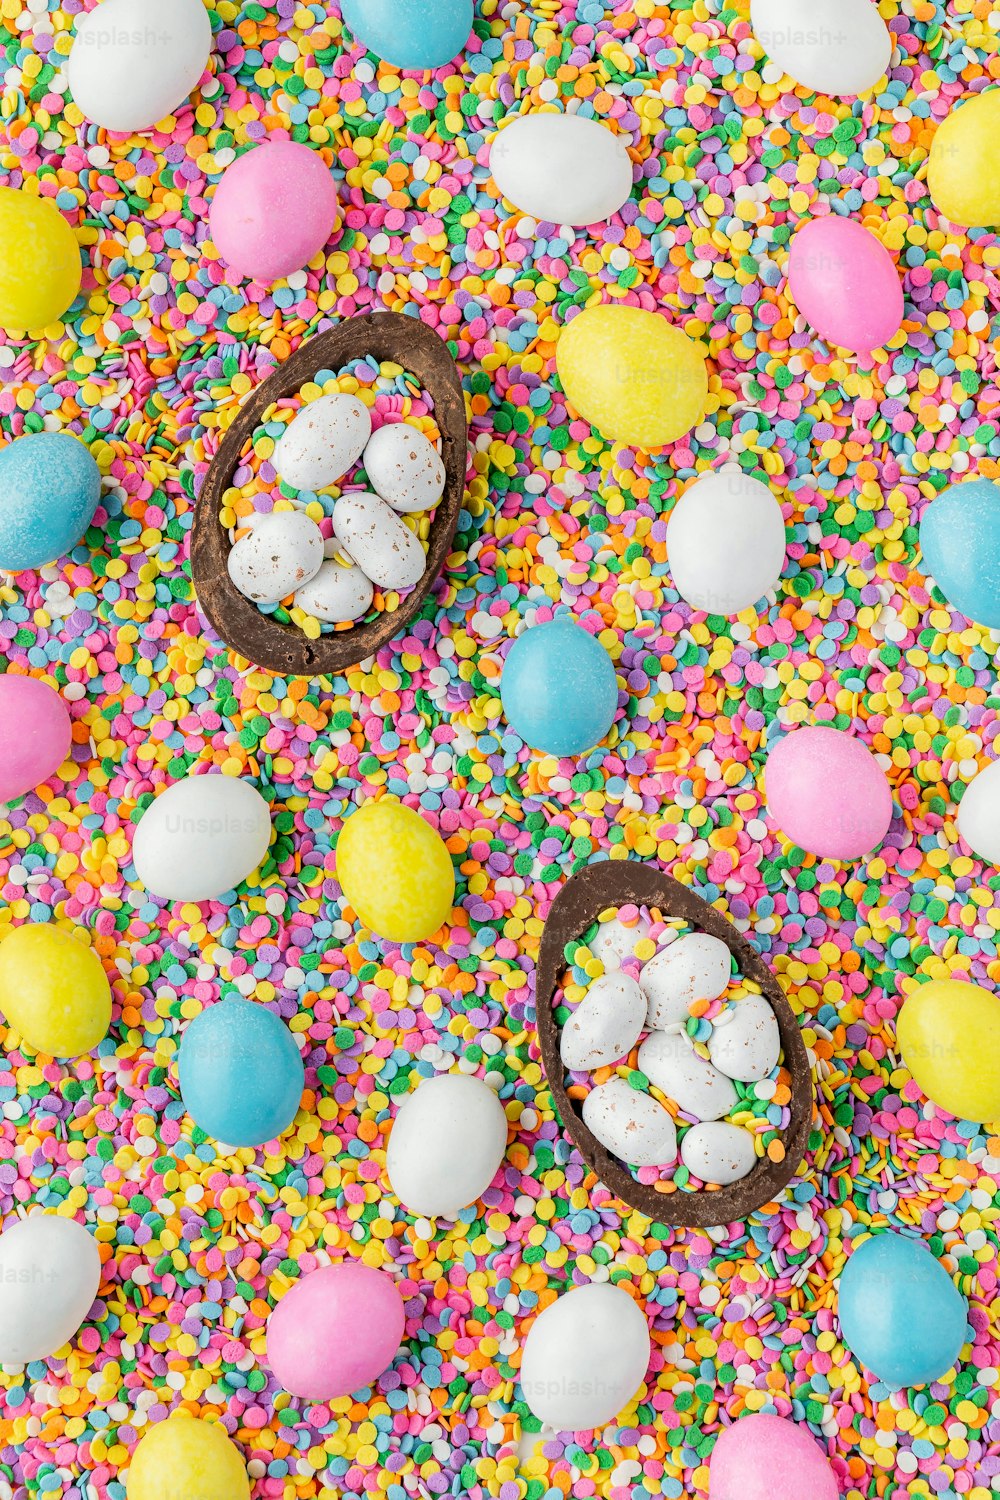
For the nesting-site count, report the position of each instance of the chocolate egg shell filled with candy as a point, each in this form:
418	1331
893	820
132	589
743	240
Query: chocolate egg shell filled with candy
618	883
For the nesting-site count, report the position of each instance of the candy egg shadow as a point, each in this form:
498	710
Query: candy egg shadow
581	900
284	649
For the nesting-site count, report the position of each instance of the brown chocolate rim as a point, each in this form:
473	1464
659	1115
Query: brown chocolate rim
581	900
284	649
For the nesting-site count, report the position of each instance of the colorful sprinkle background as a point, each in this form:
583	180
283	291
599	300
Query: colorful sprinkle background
149	367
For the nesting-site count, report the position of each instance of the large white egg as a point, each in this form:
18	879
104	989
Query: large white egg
283	551
322	442
337	593
979	814
565	169
374	537
135	61
201	837
50	1271
725	542
446	1145
585	1357
404	467
835	47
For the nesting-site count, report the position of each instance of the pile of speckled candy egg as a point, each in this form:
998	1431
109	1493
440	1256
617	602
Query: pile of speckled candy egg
739	268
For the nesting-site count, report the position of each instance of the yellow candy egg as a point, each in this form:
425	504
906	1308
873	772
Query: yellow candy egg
949	1038
961	173
395	871
40	269
632	375
185	1456
53	990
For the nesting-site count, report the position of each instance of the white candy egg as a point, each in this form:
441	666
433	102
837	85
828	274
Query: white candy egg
282	552
605	1025
404	467
632	1126
446	1145
376	539
336	593
979	814
616	941
322	442
50	1272
695	967
133	62
747	1044
201	837
564	169
835	47
671	1064
585	1357
725	542
718	1152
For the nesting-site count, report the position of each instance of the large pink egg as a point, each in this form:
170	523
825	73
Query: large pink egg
274	209
764	1457
35	734
337	1330
828	793
844	282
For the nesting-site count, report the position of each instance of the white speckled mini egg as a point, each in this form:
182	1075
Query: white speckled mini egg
632	1126
616	941
747	1043
605	1025
672	1065
376	539
323	441
336	593
718	1152
404	467
695	967
282	552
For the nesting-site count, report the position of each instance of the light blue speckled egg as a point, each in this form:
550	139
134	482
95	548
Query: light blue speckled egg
49	489
413	34
558	688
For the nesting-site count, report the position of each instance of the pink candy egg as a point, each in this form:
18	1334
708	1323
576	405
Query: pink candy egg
336	1331
844	282
765	1457
274	209
828	793
35	734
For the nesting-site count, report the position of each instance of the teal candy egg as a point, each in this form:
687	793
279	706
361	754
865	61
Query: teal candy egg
241	1073
900	1312
49	489
558	688
960	542
414	34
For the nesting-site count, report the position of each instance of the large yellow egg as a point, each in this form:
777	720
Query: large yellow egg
632	375
395	871
949	1038
186	1457
53	990
40	270
962	171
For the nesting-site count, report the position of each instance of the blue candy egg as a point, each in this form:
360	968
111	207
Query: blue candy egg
241	1073
49	489
558	688
414	34
960	540
901	1314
